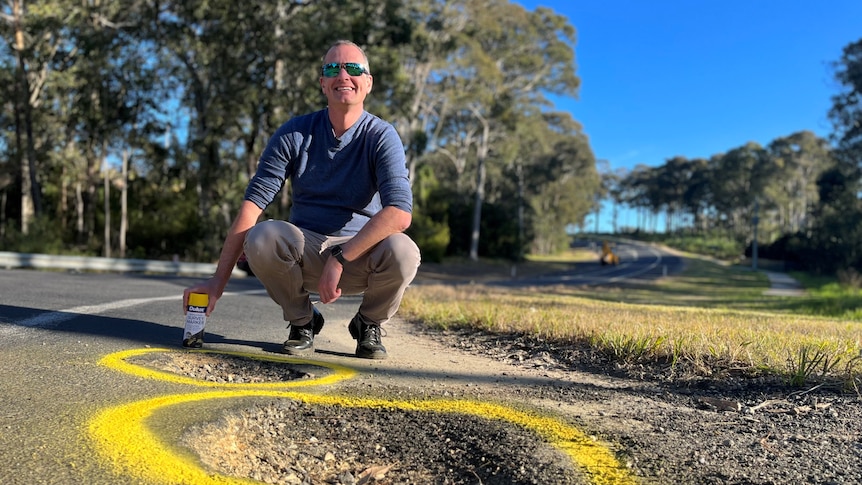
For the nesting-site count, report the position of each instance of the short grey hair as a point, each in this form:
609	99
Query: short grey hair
341	42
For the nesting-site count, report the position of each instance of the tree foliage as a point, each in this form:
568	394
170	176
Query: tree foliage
137	125
846	112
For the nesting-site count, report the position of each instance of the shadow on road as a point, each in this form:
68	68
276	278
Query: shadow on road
144	332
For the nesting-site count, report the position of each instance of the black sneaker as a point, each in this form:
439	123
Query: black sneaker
368	345
300	340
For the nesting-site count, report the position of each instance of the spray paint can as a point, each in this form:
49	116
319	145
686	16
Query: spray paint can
196	320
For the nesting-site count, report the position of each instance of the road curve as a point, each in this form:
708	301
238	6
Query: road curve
639	263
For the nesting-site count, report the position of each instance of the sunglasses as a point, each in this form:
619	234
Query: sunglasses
333	69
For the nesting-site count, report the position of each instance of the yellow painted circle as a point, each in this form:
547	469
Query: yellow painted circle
122	437
118	361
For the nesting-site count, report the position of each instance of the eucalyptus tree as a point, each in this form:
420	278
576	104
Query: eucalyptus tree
846	111
107	94
801	158
561	183
835	237
33	44
644	194
633	191
834	240
67	91
8	169
617	192
283	63
697	196
838	230
672	182
518	182
215	51
605	180
422	100
505	58
744	172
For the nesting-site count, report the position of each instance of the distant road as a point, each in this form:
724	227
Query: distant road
639	263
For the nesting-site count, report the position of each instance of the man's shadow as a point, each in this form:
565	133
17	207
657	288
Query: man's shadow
140	331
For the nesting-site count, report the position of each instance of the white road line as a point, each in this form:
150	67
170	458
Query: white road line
54	318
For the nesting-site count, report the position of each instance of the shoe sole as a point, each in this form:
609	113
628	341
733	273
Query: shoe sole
297	352
377	355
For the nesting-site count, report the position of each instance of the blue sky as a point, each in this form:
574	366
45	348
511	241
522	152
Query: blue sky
696	78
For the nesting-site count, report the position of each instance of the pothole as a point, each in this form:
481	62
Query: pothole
225	368
292	442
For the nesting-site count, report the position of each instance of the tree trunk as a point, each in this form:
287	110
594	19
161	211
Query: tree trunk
598	213
23	169
79	208
481	175
90	199
31	201
521	221
3	214
107	185
477	209
63	203
124	203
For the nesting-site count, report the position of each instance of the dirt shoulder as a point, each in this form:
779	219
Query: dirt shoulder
623	425
657	432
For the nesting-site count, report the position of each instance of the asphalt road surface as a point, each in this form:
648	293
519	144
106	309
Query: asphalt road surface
54	329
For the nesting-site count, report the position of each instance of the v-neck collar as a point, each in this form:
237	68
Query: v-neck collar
348	135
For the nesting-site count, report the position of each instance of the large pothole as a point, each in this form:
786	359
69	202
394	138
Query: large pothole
292	442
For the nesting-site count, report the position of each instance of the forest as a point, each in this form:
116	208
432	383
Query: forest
131	128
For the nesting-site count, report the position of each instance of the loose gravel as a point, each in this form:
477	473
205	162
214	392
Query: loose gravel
739	432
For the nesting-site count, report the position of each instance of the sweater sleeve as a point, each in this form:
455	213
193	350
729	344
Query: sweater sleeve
393	181
272	170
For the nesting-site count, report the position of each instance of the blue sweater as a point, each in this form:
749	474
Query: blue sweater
336	184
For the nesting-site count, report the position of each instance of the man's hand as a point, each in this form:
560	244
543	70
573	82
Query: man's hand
327	287
213	288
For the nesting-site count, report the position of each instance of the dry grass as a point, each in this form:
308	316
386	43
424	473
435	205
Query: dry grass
710	319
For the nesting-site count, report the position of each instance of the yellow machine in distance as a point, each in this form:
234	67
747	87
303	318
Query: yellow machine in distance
608	256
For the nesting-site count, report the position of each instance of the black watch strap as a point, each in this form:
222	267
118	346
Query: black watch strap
337	253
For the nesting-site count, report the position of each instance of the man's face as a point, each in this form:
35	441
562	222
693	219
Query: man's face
345	90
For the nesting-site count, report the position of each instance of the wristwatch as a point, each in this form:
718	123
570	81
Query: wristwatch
337	253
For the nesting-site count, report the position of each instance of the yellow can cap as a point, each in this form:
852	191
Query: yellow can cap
198	299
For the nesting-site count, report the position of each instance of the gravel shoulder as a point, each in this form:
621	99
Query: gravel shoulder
734	432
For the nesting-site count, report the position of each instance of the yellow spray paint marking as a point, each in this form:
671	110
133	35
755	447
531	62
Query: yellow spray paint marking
122	436
118	361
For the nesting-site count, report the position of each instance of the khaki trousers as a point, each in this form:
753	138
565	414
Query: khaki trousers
288	260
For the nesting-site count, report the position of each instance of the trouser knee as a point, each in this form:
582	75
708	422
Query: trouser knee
272	240
402	254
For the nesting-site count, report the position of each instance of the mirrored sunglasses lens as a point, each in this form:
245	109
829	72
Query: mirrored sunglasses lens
331	70
354	69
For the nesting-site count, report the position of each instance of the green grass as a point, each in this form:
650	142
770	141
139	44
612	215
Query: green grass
713	320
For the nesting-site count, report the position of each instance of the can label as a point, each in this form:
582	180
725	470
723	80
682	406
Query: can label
196	319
